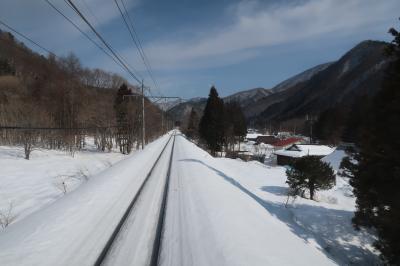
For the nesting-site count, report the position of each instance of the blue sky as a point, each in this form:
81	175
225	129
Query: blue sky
234	44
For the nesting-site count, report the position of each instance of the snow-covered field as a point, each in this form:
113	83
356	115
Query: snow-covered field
219	212
74	229
229	212
28	185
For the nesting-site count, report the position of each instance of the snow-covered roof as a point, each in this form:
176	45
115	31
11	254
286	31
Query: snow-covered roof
335	158
263	145
300	150
253	135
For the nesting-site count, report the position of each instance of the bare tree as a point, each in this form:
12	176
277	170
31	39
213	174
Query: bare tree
7	216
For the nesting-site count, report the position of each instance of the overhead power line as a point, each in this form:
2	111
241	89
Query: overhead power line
88	37
140	45
81	31
109	47
135	38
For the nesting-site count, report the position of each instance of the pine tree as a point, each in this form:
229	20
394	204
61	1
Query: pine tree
356	119
193	125
377	174
330	124
121	112
309	172
235	127
211	126
239	122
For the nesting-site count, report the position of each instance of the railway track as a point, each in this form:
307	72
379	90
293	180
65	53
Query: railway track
150	201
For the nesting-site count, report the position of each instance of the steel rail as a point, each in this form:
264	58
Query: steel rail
127	212
161	217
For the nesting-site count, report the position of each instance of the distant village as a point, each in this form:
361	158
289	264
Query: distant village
280	148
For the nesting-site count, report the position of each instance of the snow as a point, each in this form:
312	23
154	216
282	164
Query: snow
253	135
249	147
335	158
229	212
316	150
29	185
140	227
219	212
74	229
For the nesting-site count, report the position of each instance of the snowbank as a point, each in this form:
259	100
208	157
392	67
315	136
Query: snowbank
212	219
29	185
326	221
74	229
230	212
219	212
335	158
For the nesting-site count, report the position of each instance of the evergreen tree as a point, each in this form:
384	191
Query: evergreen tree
211	126
235	127
239	123
356	119
229	133
309	172
330	124
377	174
193	125
121	112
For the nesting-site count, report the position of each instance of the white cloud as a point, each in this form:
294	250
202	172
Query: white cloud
256	26
252	26
39	21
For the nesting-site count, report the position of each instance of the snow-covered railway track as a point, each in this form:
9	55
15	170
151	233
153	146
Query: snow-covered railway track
136	240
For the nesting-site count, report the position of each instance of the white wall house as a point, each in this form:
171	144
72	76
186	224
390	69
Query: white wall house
284	157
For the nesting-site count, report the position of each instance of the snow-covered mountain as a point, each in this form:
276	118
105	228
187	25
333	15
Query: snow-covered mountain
303	76
165	106
182	110
248	96
358	72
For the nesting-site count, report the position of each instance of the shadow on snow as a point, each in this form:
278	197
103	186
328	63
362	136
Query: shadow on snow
276	190
324	225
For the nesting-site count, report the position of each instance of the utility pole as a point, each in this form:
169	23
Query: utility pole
311	120
143	120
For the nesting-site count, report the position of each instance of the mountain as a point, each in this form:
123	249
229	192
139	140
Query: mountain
165	106
245	98
302	77
181	111
359	72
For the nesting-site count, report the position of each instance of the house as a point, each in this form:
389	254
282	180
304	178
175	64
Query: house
267	139
285	143
252	136
287	156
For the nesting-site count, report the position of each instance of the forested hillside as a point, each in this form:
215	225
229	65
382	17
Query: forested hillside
55	102
330	95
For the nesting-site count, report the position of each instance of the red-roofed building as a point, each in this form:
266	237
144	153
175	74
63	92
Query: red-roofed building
285	143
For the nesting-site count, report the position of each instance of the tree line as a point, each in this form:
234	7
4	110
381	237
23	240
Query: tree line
56	103
373	165
372	124
221	125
